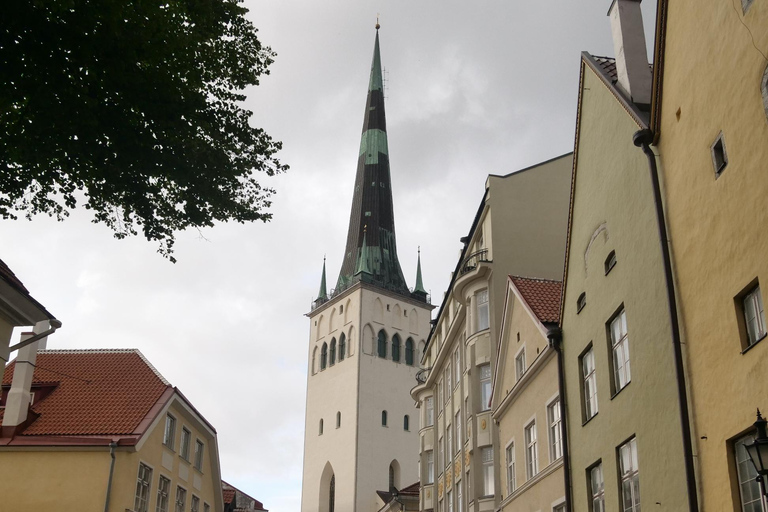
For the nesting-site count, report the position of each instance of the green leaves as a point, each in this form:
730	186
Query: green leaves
136	104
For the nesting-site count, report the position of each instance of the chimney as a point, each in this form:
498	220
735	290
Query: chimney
17	405
634	73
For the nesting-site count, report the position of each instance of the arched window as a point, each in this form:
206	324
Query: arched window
342	347
333	351
406	422
391	478
382	345
332	494
409	352
383	418
321	426
314	361
324	356
396	348
338	419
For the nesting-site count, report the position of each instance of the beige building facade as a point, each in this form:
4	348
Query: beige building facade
519	227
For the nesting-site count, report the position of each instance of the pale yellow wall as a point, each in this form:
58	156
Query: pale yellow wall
717	226
613	191
75	479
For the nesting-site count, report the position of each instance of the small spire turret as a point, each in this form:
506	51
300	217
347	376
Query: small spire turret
419	284
362	262
322	295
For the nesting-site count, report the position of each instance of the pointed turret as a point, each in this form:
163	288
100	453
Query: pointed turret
372	199
322	295
419	285
362	266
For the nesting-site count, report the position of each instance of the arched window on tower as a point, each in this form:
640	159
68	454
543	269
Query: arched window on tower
320	429
338	419
324	356
333	351
396	348
382	345
406	422
383	418
332	494
391	478
342	347
409	352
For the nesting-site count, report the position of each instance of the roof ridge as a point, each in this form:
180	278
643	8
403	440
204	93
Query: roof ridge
108	351
542	279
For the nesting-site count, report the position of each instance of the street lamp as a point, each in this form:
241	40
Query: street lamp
758	451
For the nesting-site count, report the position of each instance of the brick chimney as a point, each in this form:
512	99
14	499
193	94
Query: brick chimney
634	73
17	405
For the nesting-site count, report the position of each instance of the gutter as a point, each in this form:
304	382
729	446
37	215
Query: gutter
112	447
555	337
643	139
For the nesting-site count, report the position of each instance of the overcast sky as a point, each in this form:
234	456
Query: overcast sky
473	88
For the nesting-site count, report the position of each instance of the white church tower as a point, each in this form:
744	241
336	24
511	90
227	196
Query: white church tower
366	341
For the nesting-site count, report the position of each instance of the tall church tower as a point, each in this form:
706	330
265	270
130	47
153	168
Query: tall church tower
366	341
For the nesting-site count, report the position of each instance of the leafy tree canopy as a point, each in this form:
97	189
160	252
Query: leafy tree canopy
137	103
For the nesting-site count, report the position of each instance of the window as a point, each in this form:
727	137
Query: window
597	488
430	411
448	385
320	428
199	447
531	451
457	423
620	351
555	430
333	352
440	454
749	489
332	494
206	507
448	444
520	364
163	494
338	419
406	423
590	383
511	480
764	83
396	348
486	455
483	321
457	366
559	508
449	499
143	483
185	436
485	386
384	418
181	499
459	504
382	344
430	459
391	478
754	316
440	393
170	432
610	261
581	302
719	155
195	504
342	347
630	477
324	356
409	352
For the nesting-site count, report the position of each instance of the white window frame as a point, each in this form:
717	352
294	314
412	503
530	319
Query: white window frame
457	421
746	475
199	454
169	433
448	385
531	450
449	498
486	458
511	476
143	487
483	320
194	501
620	350
629	476
430	460
520	363
459	497
180	505
429	406
555	429
597	488
163	495
184	446
485	386
589	383
440	454
448	444
457	366
754	316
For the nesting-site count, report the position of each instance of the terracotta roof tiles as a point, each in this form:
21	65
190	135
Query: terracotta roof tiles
542	295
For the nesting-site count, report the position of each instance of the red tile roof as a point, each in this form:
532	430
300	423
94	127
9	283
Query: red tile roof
7	274
542	295
97	392
231	492
229	495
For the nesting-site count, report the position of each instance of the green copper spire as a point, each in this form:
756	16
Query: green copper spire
323	294
419	285
362	262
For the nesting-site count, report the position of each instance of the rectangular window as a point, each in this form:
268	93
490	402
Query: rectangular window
531	451
199	447
206	507
169	436
511	479
459	504
457	423
559	508
440	393
440	454
195	504
430	411
520	365
185	437
457	366
448	445
597	488
754	316
555	430
181	499
749	489
449	498
430	458
448	386
620	351
485	387
163	494
483	321
487	462
143	483
590	383
630	476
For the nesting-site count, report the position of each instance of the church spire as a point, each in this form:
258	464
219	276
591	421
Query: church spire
372	199
419	285
322	295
